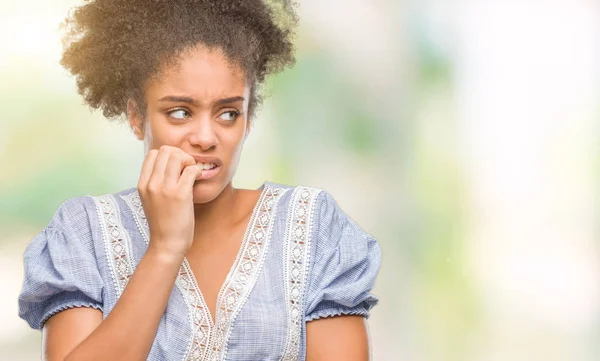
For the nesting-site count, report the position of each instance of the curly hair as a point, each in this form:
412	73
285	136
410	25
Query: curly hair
113	47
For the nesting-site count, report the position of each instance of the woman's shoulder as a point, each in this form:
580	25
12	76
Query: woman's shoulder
76	232
318	209
311	194
338	259
83	211
298	201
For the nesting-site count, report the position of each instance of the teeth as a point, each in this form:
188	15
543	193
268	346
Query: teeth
206	166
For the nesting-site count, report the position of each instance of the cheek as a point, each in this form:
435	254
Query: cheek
158	134
235	141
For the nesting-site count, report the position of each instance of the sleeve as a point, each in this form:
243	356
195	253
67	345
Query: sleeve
60	268
346	263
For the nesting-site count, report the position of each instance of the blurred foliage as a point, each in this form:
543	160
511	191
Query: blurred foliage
317	104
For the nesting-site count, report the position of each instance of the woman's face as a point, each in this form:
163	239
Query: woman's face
199	105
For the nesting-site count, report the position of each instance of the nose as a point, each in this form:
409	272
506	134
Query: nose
203	134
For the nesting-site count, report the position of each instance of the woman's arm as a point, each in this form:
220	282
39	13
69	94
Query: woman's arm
129	329
337	338
127	333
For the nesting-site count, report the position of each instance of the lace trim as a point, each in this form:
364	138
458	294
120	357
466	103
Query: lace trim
243	274
296	262
201	321
135	205
117	242
209	342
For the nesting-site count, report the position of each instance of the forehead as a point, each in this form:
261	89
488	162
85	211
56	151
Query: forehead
199	72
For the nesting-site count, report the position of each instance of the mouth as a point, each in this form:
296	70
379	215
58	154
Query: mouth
210	166
206	166
209	170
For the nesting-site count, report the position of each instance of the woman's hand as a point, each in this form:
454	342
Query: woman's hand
165	188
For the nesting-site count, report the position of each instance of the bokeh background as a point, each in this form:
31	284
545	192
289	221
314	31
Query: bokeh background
462	134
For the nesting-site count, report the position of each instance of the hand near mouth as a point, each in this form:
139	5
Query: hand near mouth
165	188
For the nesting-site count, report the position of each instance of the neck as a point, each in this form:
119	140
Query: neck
216	213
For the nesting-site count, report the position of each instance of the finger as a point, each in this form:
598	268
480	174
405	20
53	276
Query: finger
188	177
173	169
160	165
147	167
187	159
178	161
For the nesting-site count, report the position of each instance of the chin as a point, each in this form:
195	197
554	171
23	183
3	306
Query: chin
205	192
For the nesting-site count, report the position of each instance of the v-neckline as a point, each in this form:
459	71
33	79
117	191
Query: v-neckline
218	303
209	336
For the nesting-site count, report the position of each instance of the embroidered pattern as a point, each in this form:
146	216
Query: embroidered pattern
296	262
209	342
199	313
135	205
117	243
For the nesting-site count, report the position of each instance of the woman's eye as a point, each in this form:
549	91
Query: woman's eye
179	114
229	116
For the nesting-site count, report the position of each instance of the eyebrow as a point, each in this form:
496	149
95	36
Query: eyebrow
184	99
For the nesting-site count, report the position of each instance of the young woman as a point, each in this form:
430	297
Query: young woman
184	266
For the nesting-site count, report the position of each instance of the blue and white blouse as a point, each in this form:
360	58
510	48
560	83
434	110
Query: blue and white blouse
302	258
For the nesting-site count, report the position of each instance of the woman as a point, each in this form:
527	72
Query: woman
184	266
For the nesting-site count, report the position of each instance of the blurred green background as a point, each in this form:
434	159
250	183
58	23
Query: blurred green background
463	135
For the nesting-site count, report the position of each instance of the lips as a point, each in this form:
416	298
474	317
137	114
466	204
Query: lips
207	160
210	166
208	173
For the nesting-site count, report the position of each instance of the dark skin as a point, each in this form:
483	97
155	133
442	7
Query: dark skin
196	109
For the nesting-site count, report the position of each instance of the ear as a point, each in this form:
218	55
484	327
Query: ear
136	121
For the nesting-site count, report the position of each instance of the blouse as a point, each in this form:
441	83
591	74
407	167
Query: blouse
301	259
